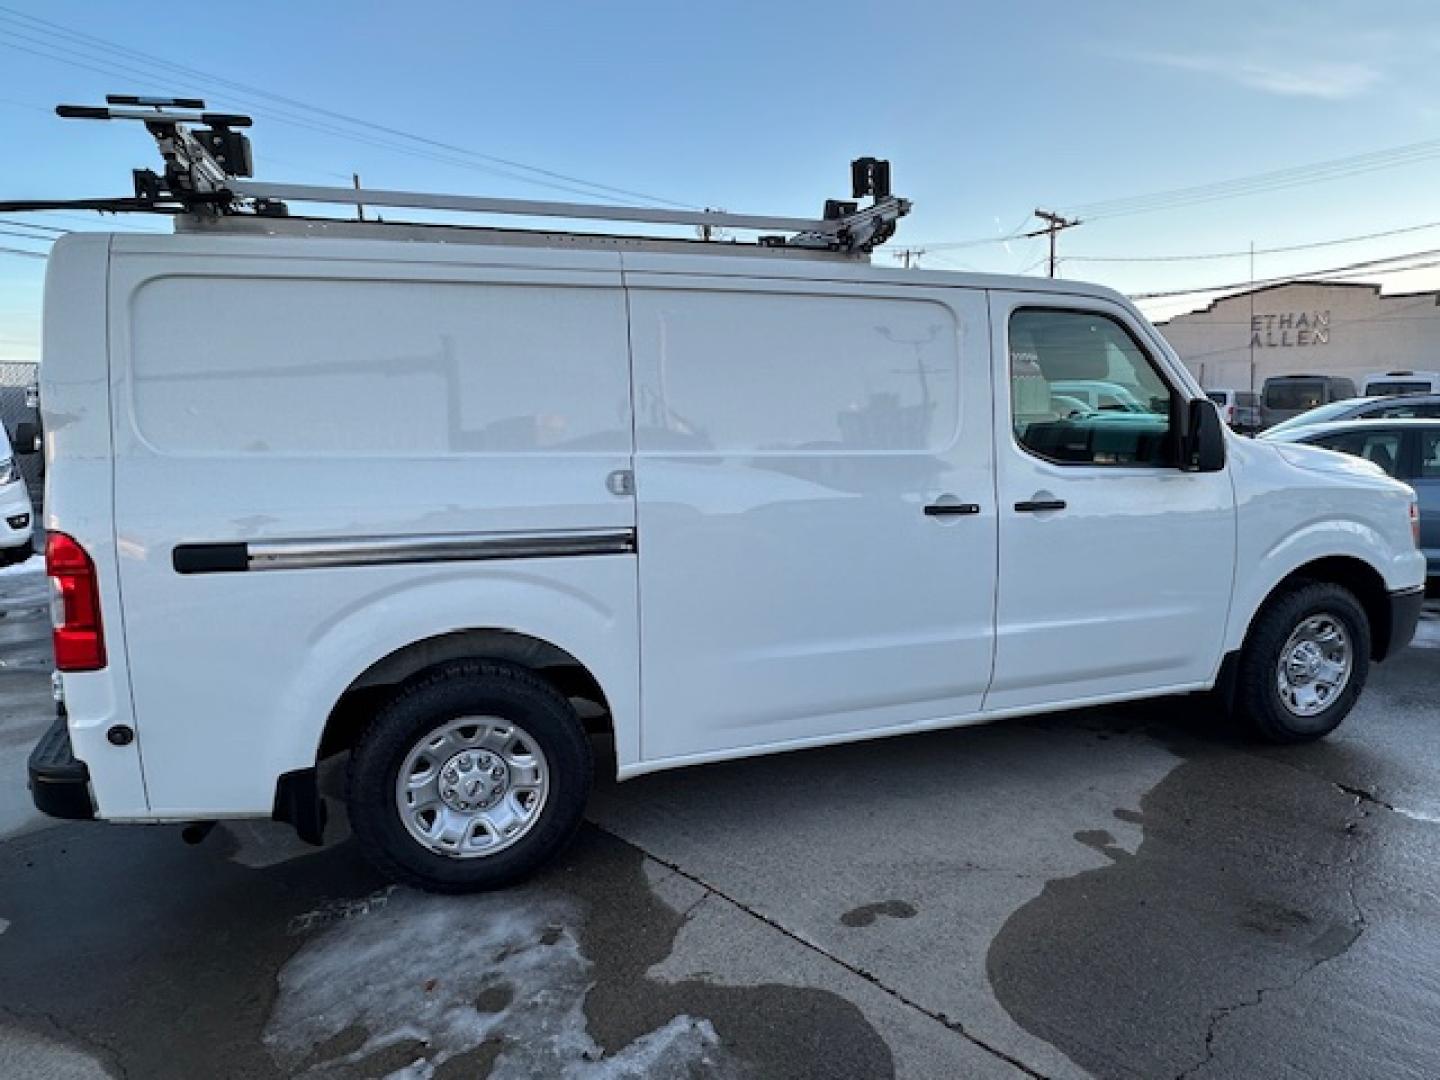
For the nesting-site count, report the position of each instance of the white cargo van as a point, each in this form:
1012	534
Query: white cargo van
426	496
1393	383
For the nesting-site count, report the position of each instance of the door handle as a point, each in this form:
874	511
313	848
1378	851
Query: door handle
1035	506
951	509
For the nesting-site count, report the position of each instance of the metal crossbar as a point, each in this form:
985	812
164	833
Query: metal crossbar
420	200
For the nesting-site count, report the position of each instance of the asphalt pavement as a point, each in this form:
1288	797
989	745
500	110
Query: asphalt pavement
1123	892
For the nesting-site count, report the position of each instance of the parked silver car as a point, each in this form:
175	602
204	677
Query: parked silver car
1406	448
1379	407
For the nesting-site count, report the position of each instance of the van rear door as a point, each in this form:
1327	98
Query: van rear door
816	509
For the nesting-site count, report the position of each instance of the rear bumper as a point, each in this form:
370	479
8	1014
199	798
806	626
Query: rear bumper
59	784
1404	615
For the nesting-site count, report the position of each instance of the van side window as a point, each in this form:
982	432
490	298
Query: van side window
1063	359
779	373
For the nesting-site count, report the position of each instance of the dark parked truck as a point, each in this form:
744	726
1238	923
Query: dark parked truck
1285	396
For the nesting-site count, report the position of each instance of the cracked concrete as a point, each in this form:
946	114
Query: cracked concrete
868	976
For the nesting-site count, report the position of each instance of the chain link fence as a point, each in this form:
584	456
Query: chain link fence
17	389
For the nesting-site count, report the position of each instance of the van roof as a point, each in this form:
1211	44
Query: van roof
254	236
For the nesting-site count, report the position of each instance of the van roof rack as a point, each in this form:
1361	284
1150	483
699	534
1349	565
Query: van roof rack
208	172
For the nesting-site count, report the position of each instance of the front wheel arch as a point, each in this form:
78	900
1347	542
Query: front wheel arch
1355	576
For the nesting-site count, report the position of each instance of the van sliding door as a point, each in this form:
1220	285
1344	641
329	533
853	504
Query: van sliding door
816	510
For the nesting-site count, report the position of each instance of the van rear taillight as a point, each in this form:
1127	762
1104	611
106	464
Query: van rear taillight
74	606
1415	521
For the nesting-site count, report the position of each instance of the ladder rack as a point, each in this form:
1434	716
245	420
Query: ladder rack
207	175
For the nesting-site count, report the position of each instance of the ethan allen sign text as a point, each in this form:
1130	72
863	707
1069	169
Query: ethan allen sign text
1292	328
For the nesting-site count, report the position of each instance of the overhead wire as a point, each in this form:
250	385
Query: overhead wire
1283	249
1365	267
115	69
94	43
1255	183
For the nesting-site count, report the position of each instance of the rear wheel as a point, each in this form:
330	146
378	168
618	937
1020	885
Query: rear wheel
469	779
1304	663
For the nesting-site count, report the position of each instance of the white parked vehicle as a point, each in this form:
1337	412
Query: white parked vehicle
1393	383
17	516
426	496
1101	395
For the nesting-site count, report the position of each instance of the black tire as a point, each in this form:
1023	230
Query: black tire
1257	696
453	690
12	555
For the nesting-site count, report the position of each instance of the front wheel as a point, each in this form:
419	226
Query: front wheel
1304	663
469	779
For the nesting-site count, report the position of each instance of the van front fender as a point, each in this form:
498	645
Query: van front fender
1349	539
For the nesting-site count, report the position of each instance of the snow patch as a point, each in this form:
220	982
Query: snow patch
455	972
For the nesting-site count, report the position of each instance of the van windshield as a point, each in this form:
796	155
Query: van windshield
1294	393
1390	388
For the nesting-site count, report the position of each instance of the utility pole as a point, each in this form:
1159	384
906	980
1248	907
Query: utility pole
1054	225
905	255
359	206
1250	330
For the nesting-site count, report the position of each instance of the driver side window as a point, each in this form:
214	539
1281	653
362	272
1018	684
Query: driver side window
1083	391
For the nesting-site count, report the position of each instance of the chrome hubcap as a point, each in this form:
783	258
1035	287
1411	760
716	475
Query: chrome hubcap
472	787
1314	665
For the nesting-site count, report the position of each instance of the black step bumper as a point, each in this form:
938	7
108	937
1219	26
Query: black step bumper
1404	615
59	784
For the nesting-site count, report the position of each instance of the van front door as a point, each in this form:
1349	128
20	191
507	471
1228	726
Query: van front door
1115	565
816	510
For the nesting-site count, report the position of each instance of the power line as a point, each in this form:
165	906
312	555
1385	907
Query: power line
27	225
1257	183
95	43
22	251
1308	246
28	236
116	69
1357	269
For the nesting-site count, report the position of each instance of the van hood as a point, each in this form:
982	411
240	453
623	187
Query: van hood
1318	459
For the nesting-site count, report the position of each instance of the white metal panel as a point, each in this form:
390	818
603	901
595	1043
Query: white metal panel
788	442
401	367
1128	587
288	398
75	408
1289	515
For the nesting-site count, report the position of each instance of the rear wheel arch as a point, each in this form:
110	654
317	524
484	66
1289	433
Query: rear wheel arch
386	676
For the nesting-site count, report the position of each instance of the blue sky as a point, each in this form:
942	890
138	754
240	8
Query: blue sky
986	111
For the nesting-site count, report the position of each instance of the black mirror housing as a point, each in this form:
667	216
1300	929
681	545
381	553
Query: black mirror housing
27	438
1202	443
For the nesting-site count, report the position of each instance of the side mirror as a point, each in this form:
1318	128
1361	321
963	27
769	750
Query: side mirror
27	438
1202	442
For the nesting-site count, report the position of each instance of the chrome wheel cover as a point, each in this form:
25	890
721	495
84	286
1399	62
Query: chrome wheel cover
1315	665
472	787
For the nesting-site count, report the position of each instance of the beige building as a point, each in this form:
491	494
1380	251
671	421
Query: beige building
1307	329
